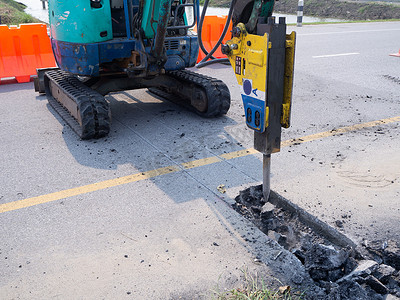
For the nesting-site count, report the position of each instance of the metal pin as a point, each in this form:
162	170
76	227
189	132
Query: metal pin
266	176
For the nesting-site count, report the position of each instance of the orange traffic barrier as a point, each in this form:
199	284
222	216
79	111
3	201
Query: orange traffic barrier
395	54
23	49
210	34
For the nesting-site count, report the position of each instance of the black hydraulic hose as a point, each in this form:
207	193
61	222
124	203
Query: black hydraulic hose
200	28
204	62
224	61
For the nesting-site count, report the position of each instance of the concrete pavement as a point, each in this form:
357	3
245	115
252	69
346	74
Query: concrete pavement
171	233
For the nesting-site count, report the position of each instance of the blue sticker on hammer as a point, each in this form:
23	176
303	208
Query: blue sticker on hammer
254	110
254	105
247	86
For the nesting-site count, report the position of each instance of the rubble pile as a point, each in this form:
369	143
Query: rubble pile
371	271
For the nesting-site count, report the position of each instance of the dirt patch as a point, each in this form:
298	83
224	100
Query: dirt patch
392	78
343	271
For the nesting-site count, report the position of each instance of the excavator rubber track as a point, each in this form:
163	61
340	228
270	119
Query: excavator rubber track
215	97
86	111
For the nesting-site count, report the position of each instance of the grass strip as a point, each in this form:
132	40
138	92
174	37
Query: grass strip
12	13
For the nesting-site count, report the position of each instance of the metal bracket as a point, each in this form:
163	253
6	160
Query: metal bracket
288	80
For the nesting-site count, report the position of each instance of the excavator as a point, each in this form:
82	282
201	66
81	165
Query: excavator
104	46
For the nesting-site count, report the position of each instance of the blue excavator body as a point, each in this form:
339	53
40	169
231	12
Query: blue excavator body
93	37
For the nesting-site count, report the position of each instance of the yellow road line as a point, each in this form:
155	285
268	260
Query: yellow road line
340	130
15	205
239	153
85	189
201	162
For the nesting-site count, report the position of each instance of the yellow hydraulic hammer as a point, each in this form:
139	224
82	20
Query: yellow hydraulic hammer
264	64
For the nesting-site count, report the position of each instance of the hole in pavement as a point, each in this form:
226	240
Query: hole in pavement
368	271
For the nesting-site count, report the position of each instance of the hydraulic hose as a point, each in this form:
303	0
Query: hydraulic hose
204	61
200	28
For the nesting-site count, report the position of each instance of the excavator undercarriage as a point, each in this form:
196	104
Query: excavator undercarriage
148	45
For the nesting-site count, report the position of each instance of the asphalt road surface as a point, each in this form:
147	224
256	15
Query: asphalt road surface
138	214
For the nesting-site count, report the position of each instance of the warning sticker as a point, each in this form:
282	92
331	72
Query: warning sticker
238	65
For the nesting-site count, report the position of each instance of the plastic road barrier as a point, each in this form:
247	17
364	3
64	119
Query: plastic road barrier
23	49
395	54
211	32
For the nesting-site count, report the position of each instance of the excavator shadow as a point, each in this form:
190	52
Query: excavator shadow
149	133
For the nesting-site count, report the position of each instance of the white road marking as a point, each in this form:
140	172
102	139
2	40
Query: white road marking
334	55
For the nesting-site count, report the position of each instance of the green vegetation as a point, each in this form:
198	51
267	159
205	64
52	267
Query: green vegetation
12	13
255	288
355	21
217	3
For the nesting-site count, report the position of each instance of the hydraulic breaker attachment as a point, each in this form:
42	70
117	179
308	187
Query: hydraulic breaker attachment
263	65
